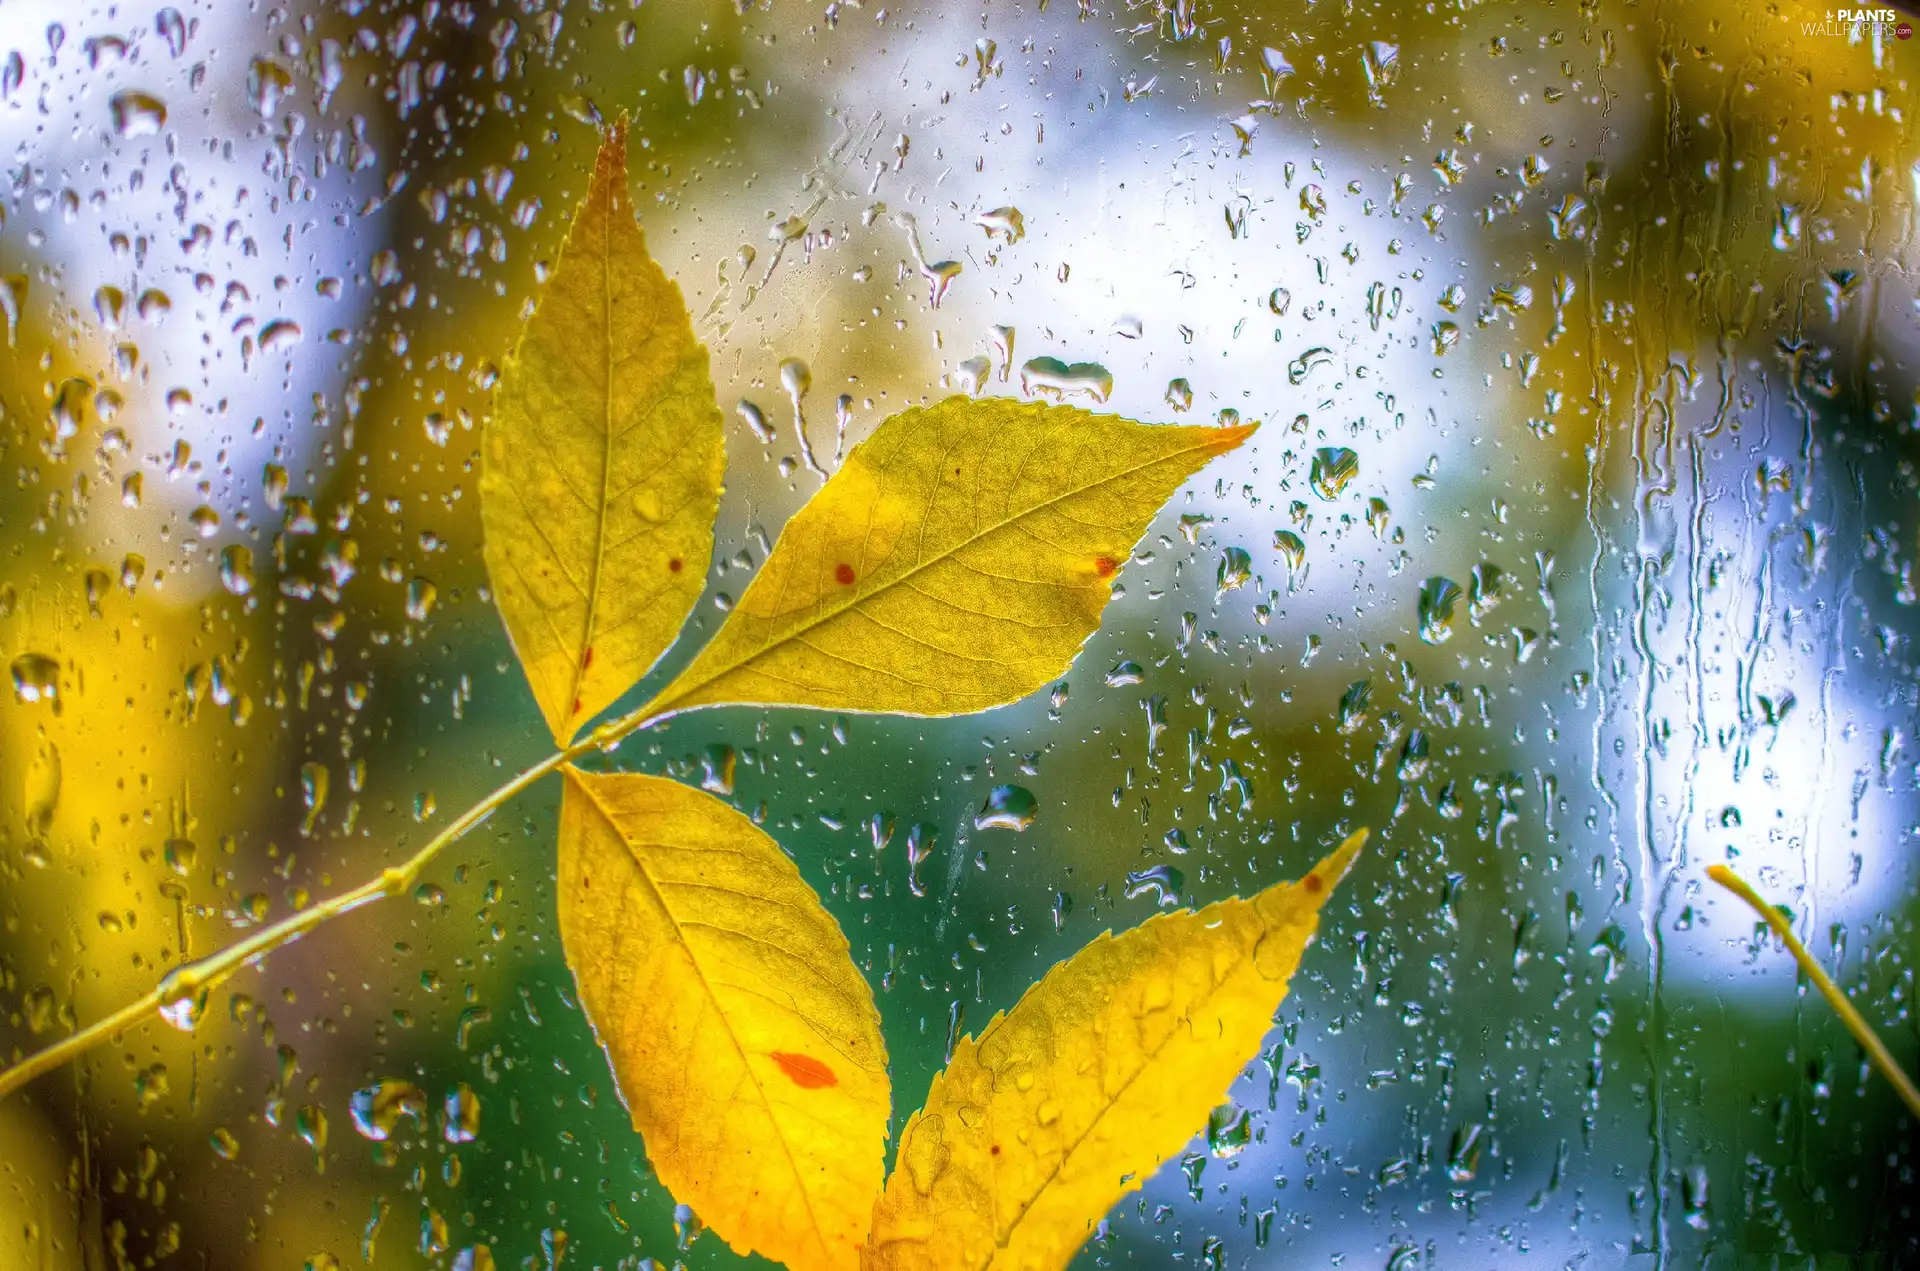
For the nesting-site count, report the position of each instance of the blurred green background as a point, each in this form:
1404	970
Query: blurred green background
1612	304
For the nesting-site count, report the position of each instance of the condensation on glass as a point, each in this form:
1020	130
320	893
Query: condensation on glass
1575	553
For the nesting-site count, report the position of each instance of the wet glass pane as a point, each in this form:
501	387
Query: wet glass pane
1574	554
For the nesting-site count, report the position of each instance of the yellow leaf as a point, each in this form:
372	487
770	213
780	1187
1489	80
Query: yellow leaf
1105	1069
604	459
743	1038
956	562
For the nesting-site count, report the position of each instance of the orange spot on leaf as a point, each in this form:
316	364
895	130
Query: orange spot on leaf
675	565
1311	882
805	1071
586	659
843	574
1106	566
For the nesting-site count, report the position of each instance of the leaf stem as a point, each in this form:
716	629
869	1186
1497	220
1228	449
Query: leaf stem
192	978
1856	1023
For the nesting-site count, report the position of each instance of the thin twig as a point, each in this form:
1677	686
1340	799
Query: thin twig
1855	1022
190	979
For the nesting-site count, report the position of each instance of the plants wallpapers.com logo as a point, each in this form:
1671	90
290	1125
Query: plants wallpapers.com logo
1860	23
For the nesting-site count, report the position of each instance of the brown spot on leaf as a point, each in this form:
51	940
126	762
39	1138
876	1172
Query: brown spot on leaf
1106	566
586	659
676	565
1312	882
843	574
805	1071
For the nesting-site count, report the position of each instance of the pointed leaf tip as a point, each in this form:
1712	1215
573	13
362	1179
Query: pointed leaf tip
1335	865
603	463
1099	1074
956	562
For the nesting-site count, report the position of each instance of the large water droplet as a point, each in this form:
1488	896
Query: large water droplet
137	114
1007	808
1334	467
1438	596
1005	222
1463	1157
378	1109
1162	882
1236	569
268	82
1307	363
36	678
1229	1130
1050	377
463	1114
236	568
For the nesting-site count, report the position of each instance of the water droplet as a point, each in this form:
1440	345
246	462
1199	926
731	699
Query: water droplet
180	855
1438	596
480	1257
1050	377
1485	588
582	108
314	781
1278	299
1229	1130
227	1148
1004	222
310	1123
462	1114
1236	570
1125	673
421	594
281	333
110	307
13	299
236	568
1292	549
172	28
36	678
756	419
41	793
268	82
1356	706
717	766
377	1110
1307	363
1787	223
1334	467
971	375
1382	62
939	275
137	114
1162	882
1561	216
153	306
1463	1157
41	1008
1007	808
186	1011
1179	394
